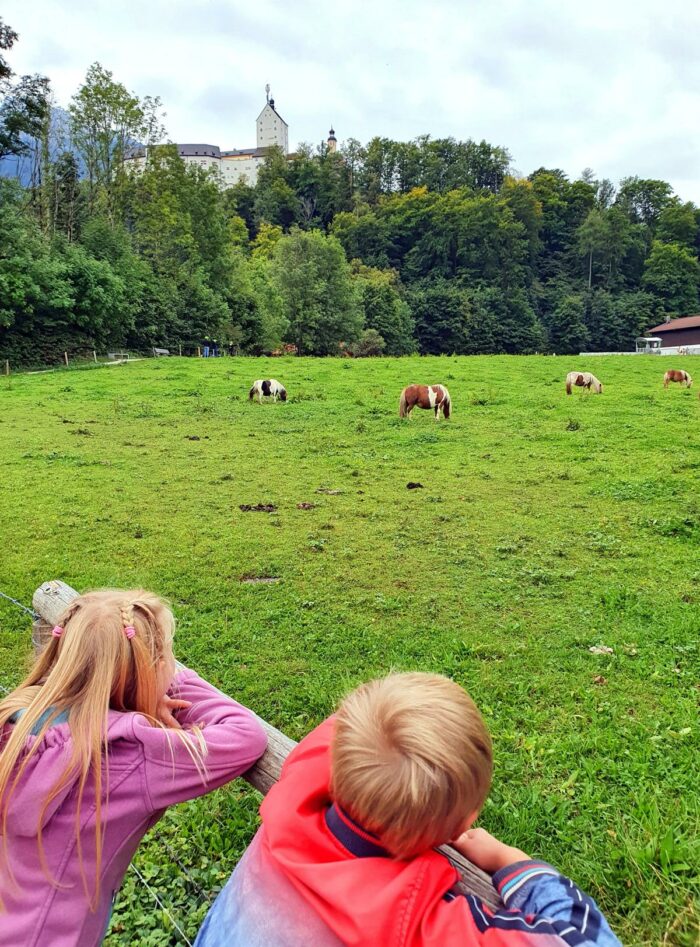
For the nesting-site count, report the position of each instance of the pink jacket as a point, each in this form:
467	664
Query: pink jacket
149	770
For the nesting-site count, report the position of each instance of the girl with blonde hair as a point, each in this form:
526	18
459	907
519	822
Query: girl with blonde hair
100	738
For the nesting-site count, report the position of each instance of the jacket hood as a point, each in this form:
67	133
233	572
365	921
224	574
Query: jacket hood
27	812
300	832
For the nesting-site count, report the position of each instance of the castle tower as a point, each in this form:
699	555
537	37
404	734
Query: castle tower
332	141
271	127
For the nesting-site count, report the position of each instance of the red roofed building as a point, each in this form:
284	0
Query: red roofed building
685	331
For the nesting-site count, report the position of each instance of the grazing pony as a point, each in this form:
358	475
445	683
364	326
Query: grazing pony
678	375
435	397
583	380
267	387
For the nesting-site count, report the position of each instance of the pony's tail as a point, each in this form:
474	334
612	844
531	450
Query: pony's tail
251	393
402	404
568	387
446	404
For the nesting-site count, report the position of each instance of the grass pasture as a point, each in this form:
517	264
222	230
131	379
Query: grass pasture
545	525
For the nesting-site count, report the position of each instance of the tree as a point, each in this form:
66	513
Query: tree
369	344
266	241
364	236
678	223
320	299
64	195
275	199
513	326
24	102
106	121
634	314
352	154
386	167
441	310
520	197
272	322
605	193
475	237
643	199
55	295
28	276
671	275
614	321
239	201
565	206
566	329
593	238
179	227
385	310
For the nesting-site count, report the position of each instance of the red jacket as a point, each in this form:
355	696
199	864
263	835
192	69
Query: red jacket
315	878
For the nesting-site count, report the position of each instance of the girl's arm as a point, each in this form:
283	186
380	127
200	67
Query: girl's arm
178	765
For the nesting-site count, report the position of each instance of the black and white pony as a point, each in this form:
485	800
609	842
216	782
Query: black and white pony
267	388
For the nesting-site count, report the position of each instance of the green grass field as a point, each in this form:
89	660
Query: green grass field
546	525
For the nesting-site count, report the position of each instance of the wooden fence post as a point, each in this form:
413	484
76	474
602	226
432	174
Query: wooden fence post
65	357
50	601
7	366
94	355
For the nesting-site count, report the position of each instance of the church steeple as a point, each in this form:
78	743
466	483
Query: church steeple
332	140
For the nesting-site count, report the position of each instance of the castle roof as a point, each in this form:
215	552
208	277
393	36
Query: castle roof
205	151
271	105
184	150
245	152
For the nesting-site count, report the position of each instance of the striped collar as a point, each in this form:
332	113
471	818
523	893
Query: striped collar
352	836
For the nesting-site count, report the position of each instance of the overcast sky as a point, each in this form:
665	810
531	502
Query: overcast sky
613	85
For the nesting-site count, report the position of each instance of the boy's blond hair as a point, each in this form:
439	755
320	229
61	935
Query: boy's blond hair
411	760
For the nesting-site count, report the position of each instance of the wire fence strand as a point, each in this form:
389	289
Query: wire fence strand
30	611
160	904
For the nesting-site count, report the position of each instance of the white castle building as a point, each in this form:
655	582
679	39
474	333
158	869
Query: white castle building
238	164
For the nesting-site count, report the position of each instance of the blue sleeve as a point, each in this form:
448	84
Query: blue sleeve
536	889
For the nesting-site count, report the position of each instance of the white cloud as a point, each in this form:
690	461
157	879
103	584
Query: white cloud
609	85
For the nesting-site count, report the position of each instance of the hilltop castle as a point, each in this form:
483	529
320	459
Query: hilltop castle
239	163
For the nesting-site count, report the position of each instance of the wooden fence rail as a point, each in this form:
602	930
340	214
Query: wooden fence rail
50	601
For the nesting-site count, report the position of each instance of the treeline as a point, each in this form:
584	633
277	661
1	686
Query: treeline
430	245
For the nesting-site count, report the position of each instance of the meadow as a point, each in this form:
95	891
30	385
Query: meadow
544	526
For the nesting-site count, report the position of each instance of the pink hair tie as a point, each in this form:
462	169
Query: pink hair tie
57	631
129	631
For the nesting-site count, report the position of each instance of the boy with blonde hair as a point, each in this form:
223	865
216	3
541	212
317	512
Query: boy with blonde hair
347	849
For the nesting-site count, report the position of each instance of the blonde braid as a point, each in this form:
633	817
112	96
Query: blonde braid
127	615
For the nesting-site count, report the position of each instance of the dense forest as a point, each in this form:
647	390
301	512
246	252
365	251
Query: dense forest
392	247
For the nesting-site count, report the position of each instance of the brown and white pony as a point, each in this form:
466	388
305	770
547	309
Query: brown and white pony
430	397
268	388
583	380
679	375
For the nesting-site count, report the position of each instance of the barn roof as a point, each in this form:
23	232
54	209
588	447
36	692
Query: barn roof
687	322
